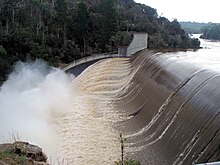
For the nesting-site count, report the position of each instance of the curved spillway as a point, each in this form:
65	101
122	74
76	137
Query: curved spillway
167	108
174	111
86	134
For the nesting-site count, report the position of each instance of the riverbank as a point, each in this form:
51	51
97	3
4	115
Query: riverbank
21	153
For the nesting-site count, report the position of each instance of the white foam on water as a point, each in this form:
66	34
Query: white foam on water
71	119
31	97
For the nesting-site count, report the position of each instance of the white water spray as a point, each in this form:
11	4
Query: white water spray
70	119
29	100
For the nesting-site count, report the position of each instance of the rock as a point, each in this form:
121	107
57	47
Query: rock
30	154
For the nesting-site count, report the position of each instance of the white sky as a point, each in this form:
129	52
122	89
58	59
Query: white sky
187	10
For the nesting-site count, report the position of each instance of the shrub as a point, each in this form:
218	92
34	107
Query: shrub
128	162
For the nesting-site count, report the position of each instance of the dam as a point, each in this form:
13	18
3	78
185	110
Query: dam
165	104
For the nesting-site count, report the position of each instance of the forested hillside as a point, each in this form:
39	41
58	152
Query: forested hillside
60	31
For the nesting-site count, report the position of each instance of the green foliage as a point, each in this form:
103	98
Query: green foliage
211	32
171	35
122	141
82	25
195	42
108	24
12	158
193	27
128	162
2	51
60	31
122	38
4	64
125	161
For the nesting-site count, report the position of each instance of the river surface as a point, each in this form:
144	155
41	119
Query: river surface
208	56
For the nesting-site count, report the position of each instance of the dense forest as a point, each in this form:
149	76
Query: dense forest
60	31
211	32
193	27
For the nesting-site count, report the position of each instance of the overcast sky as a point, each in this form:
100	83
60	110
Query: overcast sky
187	10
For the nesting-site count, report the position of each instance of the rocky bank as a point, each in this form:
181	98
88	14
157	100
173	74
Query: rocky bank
21	153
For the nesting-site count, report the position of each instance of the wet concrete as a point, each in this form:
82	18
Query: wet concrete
76	71
176	111
171	110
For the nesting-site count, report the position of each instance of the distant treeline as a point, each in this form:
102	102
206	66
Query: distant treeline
208	30
60	31
211	32
193	27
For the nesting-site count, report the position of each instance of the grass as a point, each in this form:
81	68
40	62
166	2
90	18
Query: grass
127	161
12	158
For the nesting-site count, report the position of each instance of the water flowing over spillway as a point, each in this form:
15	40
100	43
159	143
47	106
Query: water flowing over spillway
166	105
174	111
86	134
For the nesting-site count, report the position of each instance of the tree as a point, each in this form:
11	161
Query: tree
211	32
108	20
64	30
82	24
3	64
60	19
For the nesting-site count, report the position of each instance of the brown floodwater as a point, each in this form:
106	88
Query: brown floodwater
166	105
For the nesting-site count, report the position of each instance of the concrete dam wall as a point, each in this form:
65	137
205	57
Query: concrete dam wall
167	108
173	109
139	42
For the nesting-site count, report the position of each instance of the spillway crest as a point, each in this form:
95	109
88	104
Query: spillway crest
167	107
165	104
